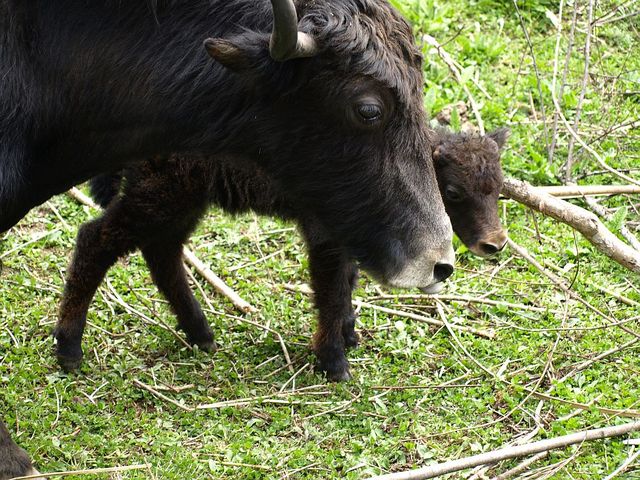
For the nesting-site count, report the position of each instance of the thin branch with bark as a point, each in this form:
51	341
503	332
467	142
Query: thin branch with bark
578	218
511	452
576	191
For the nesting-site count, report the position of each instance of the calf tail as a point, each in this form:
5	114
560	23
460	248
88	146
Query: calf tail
105	188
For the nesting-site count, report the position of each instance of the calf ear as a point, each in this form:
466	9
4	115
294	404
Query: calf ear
500	136
229	53
438	153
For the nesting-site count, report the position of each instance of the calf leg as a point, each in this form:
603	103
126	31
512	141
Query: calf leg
98	246
14	462
164	259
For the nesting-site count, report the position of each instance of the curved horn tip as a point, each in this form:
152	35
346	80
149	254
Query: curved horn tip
286	41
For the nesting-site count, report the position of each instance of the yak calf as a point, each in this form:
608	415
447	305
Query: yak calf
163	200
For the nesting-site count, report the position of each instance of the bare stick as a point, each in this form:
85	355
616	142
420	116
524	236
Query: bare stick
572	191
82	198
583	90
455	70
421	318
162	396
521	467
413	316
216	281
467	299
189	258
581	366
95	471
588	148
628	413
578	218
625	465
511	452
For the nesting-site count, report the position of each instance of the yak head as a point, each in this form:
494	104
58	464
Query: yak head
334	112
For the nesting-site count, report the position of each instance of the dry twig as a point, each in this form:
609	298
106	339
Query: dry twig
511	452
521	467
455	70
413	316
216	281
94	471
579	191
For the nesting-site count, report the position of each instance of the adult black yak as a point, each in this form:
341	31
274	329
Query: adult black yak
330	106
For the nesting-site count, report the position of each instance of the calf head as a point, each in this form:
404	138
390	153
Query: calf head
334	112
470	180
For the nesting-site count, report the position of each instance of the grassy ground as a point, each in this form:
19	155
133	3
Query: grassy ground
443	405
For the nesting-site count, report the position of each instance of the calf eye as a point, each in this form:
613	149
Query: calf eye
370	112
453	194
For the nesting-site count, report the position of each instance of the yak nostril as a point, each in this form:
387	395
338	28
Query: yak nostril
442	271
489	248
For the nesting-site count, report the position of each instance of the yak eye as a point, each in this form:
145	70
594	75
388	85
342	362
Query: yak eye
370	112
453	194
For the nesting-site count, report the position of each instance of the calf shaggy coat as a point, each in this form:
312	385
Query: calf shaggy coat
162	202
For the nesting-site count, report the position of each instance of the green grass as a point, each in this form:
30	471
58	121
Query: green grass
100	418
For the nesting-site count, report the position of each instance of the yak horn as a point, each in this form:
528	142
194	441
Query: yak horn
286	41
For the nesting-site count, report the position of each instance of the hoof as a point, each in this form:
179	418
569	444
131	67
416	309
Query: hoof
207	345
69	356
69	364
351	339
335	370
341	376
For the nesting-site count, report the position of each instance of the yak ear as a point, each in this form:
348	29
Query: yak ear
229	53
500	136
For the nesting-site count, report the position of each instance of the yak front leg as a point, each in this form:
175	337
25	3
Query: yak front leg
331	278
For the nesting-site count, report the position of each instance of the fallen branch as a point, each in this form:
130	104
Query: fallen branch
521	467
573	191
191	259
421	318
582	220
602	213
595	154
511	452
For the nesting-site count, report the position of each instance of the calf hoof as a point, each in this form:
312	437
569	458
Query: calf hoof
351	339
341	376
335	370
207	345
204	340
